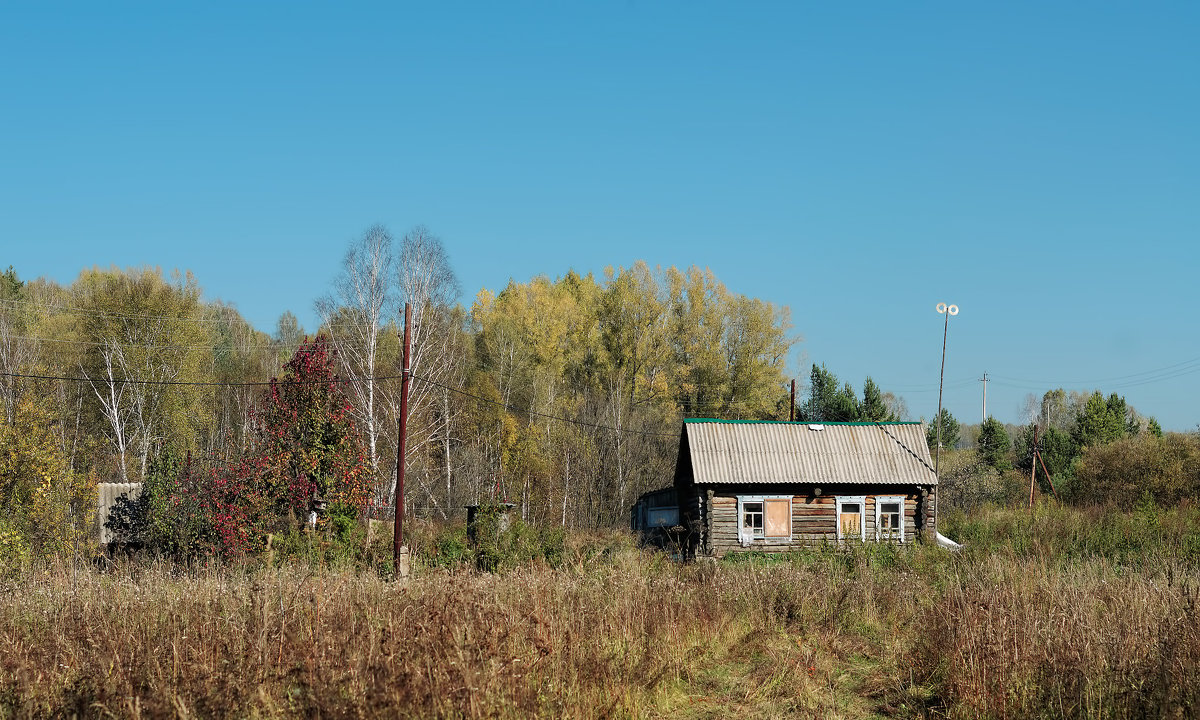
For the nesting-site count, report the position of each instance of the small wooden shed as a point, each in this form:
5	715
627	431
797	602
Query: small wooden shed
109	494
777	486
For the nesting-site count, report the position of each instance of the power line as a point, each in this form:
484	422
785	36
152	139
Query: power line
143	346
933	388
177	383
1035	385
333	340
341	380
195	383
94	312
1168	372
509	407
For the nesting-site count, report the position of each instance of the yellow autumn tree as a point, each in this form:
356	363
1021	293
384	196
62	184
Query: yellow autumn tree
46	509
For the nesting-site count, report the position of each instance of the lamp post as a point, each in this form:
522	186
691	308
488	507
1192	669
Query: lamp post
947	310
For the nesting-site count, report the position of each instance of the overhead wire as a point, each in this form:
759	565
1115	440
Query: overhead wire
535	413
93	312
1145	377
1168	372
933	387
193	383
155	346
1161	374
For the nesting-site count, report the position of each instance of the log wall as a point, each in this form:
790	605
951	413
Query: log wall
814	519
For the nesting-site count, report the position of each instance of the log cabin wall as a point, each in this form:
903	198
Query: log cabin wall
929	512
692	517
814	518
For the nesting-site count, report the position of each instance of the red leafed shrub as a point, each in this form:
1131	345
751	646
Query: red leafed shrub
306	446
308	436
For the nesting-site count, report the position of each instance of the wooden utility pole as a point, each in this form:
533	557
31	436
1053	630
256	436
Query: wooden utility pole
1037	460
1033	465
792	408
398	551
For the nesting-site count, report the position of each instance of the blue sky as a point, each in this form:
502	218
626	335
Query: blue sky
1036	163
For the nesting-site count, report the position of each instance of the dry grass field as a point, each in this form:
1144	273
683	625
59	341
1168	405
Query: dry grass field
1006	629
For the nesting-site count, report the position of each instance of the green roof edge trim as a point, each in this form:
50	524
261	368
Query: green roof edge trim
797	422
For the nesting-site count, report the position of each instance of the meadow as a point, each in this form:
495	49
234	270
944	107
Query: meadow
1062	612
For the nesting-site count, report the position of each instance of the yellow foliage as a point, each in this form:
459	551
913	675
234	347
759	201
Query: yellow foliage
49	509
14	552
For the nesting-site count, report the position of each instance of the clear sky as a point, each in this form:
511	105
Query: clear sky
1036	163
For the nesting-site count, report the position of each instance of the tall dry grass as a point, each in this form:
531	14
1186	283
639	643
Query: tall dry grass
612	632
1022	639
632	636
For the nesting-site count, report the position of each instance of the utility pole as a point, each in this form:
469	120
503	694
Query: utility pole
946	310
1033	465
1037	460
399	552
984	380
792	409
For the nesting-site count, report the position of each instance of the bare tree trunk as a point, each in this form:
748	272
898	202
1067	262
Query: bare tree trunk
617	397
15	353
446	441
354	321
566	487
110	403
424	280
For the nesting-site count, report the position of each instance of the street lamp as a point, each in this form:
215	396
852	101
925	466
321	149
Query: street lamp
947	310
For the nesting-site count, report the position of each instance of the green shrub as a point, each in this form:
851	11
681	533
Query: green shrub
497	542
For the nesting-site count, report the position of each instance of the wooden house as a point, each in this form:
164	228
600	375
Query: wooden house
778	486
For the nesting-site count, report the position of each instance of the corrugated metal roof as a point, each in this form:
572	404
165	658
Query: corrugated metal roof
829	453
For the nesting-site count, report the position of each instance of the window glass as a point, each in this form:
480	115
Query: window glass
752	518
662	517
890	518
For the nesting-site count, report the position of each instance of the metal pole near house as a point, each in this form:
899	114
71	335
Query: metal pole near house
399	554
946	310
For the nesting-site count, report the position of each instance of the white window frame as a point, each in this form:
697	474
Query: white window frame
862	514
879	501
747	539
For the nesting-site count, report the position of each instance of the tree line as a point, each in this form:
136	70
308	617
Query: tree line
562	395
1082	447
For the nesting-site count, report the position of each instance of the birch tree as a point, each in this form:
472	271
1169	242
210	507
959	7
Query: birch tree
17	349
354	317
425	280
146	342
240	354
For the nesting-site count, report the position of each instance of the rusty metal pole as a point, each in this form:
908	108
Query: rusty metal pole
401	441
792	407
